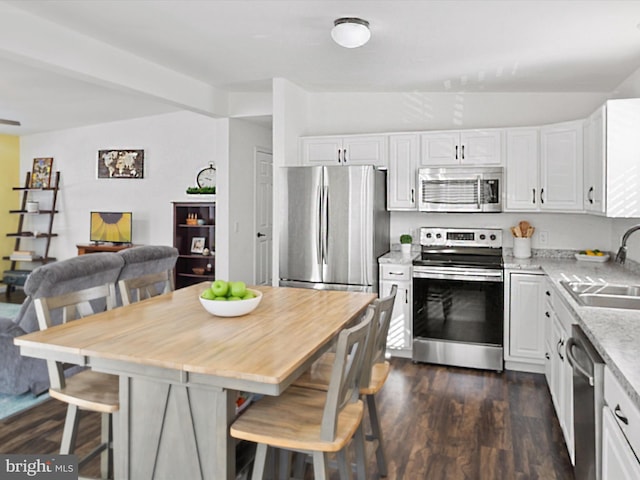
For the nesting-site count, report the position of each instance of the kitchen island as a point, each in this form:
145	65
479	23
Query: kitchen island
180	369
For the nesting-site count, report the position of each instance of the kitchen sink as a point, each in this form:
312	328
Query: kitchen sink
604	294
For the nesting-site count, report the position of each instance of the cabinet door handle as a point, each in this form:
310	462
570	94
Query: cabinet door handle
534	195
462	152
546	314
547	293
413	193
590	195
339	159
560	343
406	295
396	273
344	155
541	195
618	413
456	152
547	356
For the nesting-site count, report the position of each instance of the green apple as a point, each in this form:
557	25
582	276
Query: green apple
208	294
220	299
233	299
220	288
248	296
238	289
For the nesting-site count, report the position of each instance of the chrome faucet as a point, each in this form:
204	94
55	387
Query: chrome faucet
621	256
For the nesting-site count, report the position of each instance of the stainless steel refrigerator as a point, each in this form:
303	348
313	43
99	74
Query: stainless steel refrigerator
334	227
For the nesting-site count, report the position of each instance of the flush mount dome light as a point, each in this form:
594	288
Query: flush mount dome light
350	32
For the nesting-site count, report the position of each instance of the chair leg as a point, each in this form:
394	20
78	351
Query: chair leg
344	464
106	457
361	457
299	463
70	431
259	461
284	464
320	466
376	434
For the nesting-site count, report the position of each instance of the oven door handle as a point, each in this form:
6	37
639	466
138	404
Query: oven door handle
453	273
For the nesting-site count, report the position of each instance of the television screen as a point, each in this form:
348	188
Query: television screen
114	227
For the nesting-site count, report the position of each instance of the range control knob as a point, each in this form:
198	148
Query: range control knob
438	235
492	237
483	236
429	235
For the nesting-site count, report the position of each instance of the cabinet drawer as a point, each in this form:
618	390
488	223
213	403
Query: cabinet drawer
623	409
395	272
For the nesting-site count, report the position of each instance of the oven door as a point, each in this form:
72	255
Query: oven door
458	316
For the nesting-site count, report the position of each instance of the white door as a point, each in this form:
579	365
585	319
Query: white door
403	160
441	148
526	337
263	217
481	147
365	150
321	150
522	169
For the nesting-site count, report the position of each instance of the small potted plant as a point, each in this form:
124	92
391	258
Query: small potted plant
405	243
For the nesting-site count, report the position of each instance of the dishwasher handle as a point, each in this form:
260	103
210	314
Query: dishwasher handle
574	362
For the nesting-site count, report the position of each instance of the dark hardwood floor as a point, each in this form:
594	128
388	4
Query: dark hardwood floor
438	422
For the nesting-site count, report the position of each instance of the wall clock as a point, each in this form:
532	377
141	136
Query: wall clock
206	177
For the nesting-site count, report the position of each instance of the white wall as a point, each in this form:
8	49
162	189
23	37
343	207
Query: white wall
289	121
343	113
176	147
244	139
564	231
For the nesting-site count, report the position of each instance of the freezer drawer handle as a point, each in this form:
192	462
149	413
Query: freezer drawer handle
574	362
618	413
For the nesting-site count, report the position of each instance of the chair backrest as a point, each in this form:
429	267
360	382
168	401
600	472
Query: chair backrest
377	339
69	275
344	386
147	272
136	289
73	306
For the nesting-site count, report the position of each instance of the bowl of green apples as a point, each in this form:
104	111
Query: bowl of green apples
230	299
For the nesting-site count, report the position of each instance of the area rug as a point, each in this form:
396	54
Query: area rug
9	310
12	404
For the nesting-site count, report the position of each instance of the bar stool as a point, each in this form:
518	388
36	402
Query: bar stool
375	372
86	390
315	421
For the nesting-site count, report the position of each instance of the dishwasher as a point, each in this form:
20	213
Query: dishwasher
588	400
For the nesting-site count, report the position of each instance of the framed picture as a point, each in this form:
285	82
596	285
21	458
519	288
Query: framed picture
41	173
197	244
120	163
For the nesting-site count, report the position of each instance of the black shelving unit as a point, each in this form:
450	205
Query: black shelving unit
184	231
15	276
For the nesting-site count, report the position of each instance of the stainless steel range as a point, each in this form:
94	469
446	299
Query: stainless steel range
458	298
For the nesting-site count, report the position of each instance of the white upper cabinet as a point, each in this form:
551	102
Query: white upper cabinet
522	189
561	167
344	150
403	164
594	131
450	148
613	153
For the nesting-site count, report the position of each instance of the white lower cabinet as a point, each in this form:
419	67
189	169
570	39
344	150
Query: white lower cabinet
399	339
526	318
560	373
618	460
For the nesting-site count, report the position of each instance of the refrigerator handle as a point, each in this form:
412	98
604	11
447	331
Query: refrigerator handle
319	237
325	224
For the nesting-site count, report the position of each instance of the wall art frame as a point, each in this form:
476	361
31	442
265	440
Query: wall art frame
121	163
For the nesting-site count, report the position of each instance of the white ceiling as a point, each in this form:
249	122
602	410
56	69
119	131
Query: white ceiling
240	45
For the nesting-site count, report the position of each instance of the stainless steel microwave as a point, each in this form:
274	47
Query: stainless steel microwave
460	189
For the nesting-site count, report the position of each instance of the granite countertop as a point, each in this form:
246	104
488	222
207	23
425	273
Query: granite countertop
396	257
614	332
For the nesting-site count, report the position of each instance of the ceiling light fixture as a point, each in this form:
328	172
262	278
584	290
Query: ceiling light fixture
350	32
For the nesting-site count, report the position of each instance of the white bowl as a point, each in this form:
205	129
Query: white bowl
232	309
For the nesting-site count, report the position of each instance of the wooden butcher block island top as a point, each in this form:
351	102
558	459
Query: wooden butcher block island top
173	331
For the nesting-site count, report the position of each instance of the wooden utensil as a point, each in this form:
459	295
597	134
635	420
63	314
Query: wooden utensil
530	231
524	227
515	231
